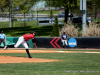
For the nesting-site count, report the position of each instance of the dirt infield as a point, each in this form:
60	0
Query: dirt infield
9	59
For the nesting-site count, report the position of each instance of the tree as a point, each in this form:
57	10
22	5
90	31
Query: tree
51	14
24	6
4	4
93	6
63	3
55	30
56	27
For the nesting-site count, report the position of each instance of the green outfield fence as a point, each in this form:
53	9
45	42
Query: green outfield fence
10	41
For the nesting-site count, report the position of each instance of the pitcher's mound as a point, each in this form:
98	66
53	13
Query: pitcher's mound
9	59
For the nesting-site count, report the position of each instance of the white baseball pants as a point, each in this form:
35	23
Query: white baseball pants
22	41
64	42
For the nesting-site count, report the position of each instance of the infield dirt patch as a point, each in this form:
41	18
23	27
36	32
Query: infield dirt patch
9	59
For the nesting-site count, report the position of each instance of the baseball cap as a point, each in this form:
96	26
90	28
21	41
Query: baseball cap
32	32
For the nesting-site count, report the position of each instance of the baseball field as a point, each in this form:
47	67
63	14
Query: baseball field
50	62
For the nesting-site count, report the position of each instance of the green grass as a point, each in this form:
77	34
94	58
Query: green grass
71	64
18	29
98	20
18	24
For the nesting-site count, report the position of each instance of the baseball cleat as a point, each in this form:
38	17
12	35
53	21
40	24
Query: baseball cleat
31	57
5	47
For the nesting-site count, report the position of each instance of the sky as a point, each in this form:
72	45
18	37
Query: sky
41	4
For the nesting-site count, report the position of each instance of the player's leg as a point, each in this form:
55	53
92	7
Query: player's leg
5	46
0	41
66	44
63	43
20	40
26	46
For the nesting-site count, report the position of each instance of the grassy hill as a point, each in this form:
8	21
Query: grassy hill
19	31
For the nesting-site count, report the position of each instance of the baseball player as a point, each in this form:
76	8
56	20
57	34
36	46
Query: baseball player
22	40
3	39
64	39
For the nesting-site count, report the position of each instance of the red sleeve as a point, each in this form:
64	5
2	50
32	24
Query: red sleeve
28	36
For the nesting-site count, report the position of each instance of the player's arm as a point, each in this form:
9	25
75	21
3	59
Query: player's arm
5	39
34	42
66	38
35	45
